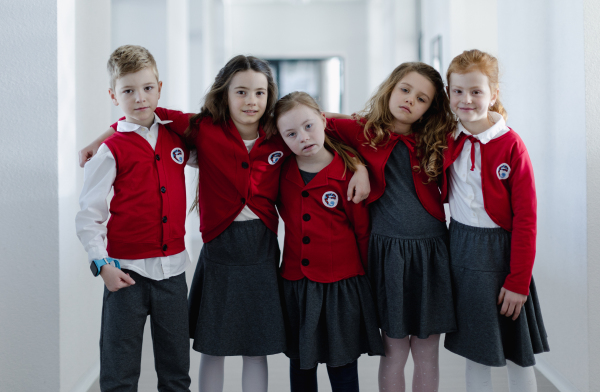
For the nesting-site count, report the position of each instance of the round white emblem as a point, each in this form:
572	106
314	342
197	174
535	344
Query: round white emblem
274	157
330	199
503	171
177	155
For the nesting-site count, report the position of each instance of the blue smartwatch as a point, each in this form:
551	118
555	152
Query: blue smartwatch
96	265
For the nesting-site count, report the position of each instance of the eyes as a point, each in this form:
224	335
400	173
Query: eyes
293	134
243	93
474	92
406	91
129	91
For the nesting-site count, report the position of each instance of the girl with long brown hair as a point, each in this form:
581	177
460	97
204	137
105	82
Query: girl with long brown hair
401	135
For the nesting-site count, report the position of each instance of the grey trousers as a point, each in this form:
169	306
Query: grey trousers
124	314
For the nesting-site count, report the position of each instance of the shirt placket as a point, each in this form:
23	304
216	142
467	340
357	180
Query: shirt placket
471	184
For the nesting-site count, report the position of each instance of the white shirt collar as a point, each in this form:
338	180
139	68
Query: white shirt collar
487	135
124	126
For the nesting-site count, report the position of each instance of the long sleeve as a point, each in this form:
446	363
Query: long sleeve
98	178
524	208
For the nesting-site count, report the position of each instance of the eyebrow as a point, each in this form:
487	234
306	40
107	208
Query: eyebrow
145	84
408	84
291	129
246	88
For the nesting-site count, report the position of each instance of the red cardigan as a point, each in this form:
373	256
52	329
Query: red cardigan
509	198
351	133
326	236
230	178
148	208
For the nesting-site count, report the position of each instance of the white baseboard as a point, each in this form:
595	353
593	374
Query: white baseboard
555	377
88	379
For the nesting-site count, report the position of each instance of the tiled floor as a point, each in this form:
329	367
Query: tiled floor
452	375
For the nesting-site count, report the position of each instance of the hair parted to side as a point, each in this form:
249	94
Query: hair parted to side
292	100
476	60
128	59
216	101
430	132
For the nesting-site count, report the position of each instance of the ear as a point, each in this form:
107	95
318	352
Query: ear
113	97
159	88
495	95
447	90
324	119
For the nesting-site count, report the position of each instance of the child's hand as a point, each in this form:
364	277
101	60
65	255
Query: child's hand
511	303
86	153
114	278
359	186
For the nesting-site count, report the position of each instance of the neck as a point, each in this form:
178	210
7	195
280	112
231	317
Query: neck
247	131
315	163
146	124
480	126
401	128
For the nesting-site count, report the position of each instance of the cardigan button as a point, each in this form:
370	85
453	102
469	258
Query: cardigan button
163	189
305	262
306	240
306	217
245	165
157	157
165	248
164	219
243	200
304	194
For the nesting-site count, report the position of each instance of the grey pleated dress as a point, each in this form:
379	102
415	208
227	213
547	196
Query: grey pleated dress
480	264
409	263
332	323
234	302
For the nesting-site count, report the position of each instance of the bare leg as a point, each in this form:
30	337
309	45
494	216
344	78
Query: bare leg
426	355
391	367
255	374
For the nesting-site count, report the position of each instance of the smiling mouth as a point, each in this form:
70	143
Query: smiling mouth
144	108
250	111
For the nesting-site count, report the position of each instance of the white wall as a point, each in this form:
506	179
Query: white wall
29	309
591	11
541	50
305	30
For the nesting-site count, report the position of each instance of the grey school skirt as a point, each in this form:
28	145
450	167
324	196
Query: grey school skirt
234	302
332	323
480	262
412	286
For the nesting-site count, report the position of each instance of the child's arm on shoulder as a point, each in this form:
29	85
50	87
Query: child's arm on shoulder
358	215
336	115
359	186
87	152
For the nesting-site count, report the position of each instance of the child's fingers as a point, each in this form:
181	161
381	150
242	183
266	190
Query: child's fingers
350	191
517	312
127	279
511	309
501	296
504	308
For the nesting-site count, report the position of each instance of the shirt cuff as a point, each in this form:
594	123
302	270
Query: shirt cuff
96	253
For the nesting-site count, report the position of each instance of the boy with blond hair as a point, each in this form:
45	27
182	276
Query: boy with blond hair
144	260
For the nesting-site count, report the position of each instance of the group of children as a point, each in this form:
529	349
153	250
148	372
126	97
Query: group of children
366	244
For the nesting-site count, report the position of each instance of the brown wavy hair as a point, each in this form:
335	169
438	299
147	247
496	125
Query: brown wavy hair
430	131
483	62
216	101
296	98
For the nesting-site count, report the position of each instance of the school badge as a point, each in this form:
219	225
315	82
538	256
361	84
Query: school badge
330	199
503	171
177	155
274	157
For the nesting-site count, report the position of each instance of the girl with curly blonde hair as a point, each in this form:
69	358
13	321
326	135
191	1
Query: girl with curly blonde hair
401	135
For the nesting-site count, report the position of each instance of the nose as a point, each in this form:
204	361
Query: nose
410	100
140	96
304	136
251	99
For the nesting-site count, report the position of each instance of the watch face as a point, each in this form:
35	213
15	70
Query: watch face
94	268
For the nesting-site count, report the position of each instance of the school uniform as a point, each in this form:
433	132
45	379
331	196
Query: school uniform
234	301
329	305
409	265
145	167
492	245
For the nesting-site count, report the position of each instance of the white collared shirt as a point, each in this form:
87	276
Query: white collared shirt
98	178
466	195
246	213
